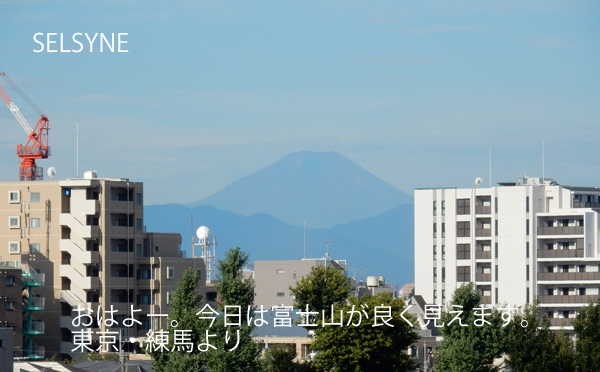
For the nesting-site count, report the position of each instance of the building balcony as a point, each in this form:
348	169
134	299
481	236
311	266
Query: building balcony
561	322
577	204
557	230
483	232
34	328
560	253
481	277
574	299
483	255
569	276
485	300
34	303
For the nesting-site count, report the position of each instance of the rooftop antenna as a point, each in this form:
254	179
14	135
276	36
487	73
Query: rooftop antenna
490	167
543	161
327	242
51	173
362	272
305	238
192	230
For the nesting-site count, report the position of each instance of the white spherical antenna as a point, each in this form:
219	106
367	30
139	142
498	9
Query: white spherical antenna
478	181
203	233
51	172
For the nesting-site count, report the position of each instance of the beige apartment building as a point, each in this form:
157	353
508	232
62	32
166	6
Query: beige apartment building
87	237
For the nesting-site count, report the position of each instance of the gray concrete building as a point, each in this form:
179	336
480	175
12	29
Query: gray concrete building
273	278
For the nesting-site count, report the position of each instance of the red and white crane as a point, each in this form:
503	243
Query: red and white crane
37	144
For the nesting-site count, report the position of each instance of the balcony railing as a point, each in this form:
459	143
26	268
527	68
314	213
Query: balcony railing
483	232
483	209
574	299
34	303
483	255
557	230
559	322
36	352
569	276
480	277
34	328
577	204
554	253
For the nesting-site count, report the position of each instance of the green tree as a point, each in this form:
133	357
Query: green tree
279	358
533	347
470	348
365	347
186	302
321	288
234	290
587	327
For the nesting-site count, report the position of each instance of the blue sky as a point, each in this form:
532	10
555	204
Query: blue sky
211	91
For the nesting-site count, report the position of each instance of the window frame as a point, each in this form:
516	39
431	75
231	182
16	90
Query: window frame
31	248
39	222
31	194
10	246
14	192
170	272
10	220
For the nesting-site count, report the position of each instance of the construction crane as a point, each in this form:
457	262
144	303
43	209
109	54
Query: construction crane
37	144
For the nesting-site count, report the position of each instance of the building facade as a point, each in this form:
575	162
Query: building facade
273	278
87	236
518	241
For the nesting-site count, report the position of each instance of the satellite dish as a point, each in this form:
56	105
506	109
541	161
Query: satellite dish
478	181
51	172
203	233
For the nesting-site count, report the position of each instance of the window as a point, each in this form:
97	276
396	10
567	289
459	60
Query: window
199	273
527	250
138	199
170	272
527	274
527	204
463	206
169	294
138	249
14	197
496	273
435	252
463	251
527	226
443	207
34	223
443	230
280	294
582	291
443	252
13	222
14	247
443	280
550	291
435	296
10	281
34	248
582	268
463	274
550	269
496	204
565	245
435	274
496	250
496	296
496	227
10	306
463	229
527	297
435	208
443	296
138	224
280	271
435	230
34	197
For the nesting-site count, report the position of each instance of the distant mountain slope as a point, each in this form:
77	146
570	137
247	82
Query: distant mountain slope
383	244
326	188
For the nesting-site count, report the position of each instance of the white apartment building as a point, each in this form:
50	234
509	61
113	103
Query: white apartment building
521	240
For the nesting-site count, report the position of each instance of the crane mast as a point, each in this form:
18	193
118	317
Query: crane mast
36	146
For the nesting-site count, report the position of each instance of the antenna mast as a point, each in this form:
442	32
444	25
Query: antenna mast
490	167
543	161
